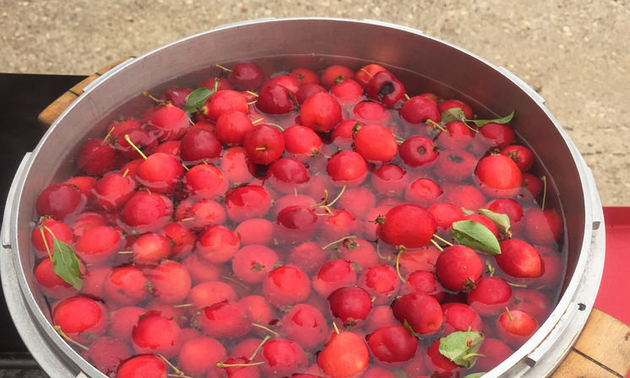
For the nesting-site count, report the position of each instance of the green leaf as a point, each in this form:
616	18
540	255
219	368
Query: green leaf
502	221
461	347
475	375
452	115
482	122
197	98
66	264
476	236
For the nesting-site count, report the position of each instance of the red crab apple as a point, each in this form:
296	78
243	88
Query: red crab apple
345	355
407	225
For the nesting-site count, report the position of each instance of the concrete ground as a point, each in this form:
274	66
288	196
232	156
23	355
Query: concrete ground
575	53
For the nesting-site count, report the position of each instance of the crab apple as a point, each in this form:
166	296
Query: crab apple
247	202
543	226
509	207
534	302
198	355
378	372
80	317
45	234
321	112
156	334
458	268
246	76
296	224
366	112
146	365
455	166
407	225
379	316
85	185
389	180
167	122
122	321
490	295
217	244
491	353
263	144
333	72
112	191
515	327
375	143
151	248
424	281
171	147
307	90
50	283
235	367
419	259
305	325
532	185
225	320
345	355
308	256
347	91
181	239
107	353
275	98
197	215
199	145
342	135
219	83
519	259
464	196
347	168
140	138
423	192
255	231
208	293
93	278
498	176
119	126
252	262
358	201
287	175
359	252
367	72
351	304
497	135
223	101
98	244
339	224
96	157
452	103
292	200
418	151
381	282
439	366
386	89
286	285
419	109
176	96
421	311
146	212
236	166
332	275
552	266
302	142
232	126
392	343
304	76
201	270
170	281
522	156
460	317
63	202
281	358
160	172
126	285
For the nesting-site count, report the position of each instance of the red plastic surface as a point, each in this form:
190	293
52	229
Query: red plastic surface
613	297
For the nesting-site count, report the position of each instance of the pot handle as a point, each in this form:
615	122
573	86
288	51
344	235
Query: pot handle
54	110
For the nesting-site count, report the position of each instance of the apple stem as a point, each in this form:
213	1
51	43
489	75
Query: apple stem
507	310
438	237
183	305
178	373
41	230
276	125
263	148
107	136
186	168
128	139
400	252
336	328
252	93
267	337
407	97
439	247
125	252
257	120
68	339
223	68
381	256
338	241
367	73
149	95
266	329
222	365
436	125
126	172
544	198
236	282
338	196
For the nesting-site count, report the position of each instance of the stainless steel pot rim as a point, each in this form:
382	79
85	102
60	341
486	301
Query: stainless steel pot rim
572	309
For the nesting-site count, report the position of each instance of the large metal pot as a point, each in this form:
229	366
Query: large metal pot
443	68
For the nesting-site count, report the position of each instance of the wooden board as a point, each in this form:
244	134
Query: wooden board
602	350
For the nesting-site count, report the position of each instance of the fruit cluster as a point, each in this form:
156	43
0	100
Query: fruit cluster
299	225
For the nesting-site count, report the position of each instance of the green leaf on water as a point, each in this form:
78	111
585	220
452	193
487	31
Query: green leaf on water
475	375
502	221
461	347
66	264
482	122
452	115
476	236
197	98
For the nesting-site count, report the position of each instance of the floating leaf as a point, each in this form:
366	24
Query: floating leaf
461	347
482	122
197	98
453	114
502	221
475	375
66	264
476	236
